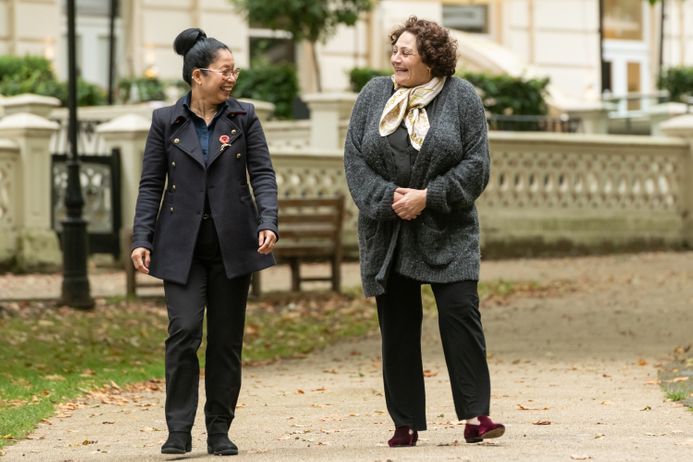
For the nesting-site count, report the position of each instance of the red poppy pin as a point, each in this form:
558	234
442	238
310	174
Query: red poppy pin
224	139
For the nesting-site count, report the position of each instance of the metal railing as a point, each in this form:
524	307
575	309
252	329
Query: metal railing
533	123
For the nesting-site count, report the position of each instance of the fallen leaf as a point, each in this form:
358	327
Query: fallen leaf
642	362
88	442
300	392
429	373
599	435
520	407
646	408
580	457
542	422
679	379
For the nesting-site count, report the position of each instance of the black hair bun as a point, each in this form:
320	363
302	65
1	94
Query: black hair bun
187	39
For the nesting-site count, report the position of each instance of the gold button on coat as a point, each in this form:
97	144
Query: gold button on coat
173	164
233	132
176	141
171	209
238	155
173	187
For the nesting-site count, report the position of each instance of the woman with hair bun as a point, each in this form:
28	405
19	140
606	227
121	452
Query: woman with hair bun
207	236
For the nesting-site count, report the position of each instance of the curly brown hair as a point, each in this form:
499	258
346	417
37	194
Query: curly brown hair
437	48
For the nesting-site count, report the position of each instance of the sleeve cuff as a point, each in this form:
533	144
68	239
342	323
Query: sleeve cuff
435	196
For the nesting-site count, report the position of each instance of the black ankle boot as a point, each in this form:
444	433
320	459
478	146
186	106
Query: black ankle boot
219	444
177	443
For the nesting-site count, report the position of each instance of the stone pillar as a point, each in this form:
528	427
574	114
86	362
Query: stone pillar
682	127
663	112
37	243
326	111
28	103
594	117
128	133
9	197
263	109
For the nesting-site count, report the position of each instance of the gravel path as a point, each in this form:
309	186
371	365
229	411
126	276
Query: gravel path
573	374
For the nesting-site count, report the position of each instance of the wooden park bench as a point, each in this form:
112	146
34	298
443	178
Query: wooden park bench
310	230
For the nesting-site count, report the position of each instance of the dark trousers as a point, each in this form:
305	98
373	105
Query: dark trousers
400	314
225	300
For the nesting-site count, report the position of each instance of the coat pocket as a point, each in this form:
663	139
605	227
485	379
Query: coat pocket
435	241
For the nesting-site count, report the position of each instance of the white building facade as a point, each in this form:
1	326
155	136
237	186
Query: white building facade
555	38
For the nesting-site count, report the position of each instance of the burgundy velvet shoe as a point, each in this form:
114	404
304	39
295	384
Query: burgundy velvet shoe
404	436
487	428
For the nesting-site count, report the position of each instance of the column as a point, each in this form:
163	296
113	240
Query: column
37	244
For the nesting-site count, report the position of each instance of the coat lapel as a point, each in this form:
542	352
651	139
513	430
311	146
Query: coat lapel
183	134
229	125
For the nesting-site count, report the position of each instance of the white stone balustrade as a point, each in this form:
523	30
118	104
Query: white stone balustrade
598	191
546	191
682	127
37	245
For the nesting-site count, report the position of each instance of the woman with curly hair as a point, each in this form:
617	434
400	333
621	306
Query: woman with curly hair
416	159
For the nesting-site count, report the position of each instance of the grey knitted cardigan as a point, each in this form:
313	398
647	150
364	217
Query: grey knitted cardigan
442	244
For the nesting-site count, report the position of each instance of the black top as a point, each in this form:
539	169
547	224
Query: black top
403	152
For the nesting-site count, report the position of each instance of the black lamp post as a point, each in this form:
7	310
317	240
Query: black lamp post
112	14
75	288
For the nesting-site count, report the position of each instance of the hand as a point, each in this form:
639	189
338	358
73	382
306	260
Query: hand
410	203
140	259
266	241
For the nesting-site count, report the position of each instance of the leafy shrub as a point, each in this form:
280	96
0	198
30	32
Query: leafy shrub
678	81
276	83
148	89
506	95
33	74
501	94
360	76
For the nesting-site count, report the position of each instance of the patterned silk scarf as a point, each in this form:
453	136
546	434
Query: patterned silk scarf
410	104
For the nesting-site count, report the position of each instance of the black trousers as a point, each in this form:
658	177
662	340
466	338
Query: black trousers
400	314
225	300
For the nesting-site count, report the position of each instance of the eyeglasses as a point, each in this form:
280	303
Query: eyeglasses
225	74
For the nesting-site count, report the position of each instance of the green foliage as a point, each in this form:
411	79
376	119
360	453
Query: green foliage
678	81
677	395
360	76
148	89
501	94
277	84
33	74
506	95
310	20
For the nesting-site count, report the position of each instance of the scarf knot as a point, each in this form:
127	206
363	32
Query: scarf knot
409	104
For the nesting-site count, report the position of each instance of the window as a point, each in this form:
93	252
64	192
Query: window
271	50
623	19
466	17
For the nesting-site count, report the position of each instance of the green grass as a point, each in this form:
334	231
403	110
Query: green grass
53	355
677	395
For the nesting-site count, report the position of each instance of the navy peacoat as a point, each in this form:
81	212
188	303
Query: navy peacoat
173	161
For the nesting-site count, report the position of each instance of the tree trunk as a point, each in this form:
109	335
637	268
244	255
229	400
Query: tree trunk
316	66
